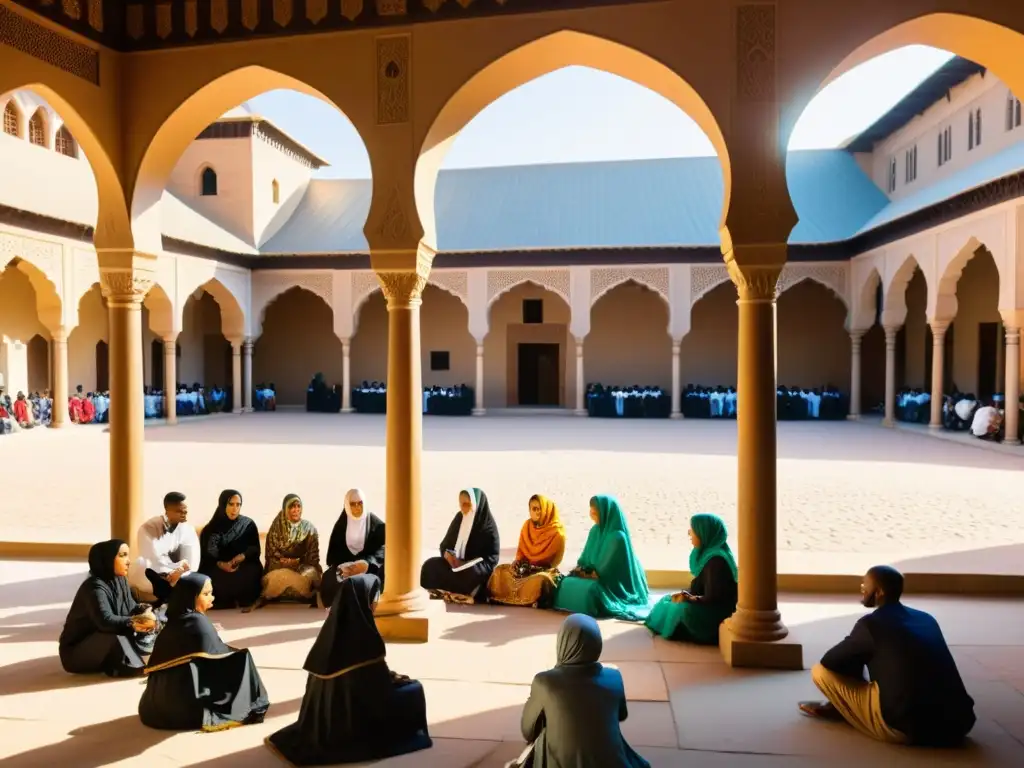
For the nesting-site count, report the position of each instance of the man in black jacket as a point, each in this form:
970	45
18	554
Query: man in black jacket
915	694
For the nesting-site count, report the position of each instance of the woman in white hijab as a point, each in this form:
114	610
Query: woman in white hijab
469	553
356	546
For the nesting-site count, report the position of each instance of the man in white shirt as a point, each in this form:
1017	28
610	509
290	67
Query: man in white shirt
986	424
168	548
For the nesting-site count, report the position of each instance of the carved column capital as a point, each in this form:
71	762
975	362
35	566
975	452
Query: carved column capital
890	334
939	328
125	276
856	336
755	283
247	345
1012	336
403	275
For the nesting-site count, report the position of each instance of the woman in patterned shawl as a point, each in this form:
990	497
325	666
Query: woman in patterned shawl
531	578
293	569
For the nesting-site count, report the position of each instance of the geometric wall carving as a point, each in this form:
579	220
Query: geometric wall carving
603	280
47	257
501	280
267	286
456	283
49	46
705	277
832	276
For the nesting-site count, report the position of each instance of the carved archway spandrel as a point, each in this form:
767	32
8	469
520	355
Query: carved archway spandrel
832	276
603	280
703	278
456	283
47	257
501	280
363	284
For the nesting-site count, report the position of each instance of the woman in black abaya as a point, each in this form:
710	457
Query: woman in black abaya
106	630
195	681
469	553
230	545
354	709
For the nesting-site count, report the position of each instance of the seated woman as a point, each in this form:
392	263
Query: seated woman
106	630
607	581
195	681
230	547
694	615
572	716
355	709
356	546
293	556
469	553
532	577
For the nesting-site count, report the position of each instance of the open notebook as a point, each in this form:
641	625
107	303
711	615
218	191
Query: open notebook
468	564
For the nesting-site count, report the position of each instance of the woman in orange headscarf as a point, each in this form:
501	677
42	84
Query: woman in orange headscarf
532	577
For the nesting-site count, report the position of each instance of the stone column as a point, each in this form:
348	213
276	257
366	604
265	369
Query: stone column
171	378
346	376
750	636
236	376
890	376
676	392
1012	387
59	416
479	409
401	613
855	374
247	381
124	287
938	366
581	384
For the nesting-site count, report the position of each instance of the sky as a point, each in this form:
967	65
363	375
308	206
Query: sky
578	114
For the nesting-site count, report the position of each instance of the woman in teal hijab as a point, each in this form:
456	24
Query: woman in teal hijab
608	581
694	615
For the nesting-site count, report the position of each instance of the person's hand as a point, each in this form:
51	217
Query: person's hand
451	559
173	576
144	622
184	567
228	567
679	597
237	560
592	574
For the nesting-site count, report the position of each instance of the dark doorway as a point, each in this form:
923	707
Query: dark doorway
102	366
988	359
538	374
156	380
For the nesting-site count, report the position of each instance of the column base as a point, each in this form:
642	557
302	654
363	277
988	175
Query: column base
479	411
676	416
411	624
238	411
247	410
580	412
934	426
888	423
54	425
1011	441
738	651
853	417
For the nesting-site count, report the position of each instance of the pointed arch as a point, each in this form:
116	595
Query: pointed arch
38	126
208	182
894	300
161	311
65	143
12	119
232	315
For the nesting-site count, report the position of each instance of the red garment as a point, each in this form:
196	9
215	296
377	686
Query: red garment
75	409
3	413
21	411
88	411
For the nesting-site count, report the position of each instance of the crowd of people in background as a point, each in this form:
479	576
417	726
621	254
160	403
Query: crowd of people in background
961	412
24	412
792	403
636	401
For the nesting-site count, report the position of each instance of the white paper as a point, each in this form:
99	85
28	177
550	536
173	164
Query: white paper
468	564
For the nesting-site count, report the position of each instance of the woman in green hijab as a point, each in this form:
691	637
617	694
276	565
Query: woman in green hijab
694	615
608	581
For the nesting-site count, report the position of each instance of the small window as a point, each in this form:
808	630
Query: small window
1012	112
892	174
37	129
275	191
945	145
66	142
209	183
11	119
970	131
440	361
533	311
977	127
909	165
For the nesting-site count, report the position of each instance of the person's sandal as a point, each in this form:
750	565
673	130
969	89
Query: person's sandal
821	710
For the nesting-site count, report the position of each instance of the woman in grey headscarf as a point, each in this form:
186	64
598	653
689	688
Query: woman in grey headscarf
572	716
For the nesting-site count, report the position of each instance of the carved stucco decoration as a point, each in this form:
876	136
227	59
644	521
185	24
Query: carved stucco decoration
164	25
317	9
87	273
832	276
755	52
191	17
403	287
268	286
72	9
704	278
455	283
758	283
49	46
363	285
393	90
125	286
96	14
501	281
391	7
250	14
283	10
394	225
47	257
219	15
604	280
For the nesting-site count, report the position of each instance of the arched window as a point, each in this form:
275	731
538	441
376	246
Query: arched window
275	190
11	119
37	129
209	183
66	142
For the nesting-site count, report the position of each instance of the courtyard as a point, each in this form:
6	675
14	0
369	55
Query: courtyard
850	494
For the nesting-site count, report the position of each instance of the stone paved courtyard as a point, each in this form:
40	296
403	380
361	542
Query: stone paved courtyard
849	493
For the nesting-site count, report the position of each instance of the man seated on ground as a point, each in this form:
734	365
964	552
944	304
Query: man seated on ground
23	412
986	423
915	694
168	549
7	422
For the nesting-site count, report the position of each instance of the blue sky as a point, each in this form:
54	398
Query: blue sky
578	114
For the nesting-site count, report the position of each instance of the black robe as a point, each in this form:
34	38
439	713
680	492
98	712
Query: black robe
483	542
338	553
195	681
221	540
98	635
354	709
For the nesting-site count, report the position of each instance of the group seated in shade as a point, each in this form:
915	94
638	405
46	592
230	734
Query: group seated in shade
189	400
24	412
913	405
700	402
266	397
632	402
370	397
448	401
194	681
799	403
322	398
965	412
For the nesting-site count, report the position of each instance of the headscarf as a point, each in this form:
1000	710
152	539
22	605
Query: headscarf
284	530
355	527
711	531
223	526
349	637
622	579
188	634
579	641
101	568
466	526
543	544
